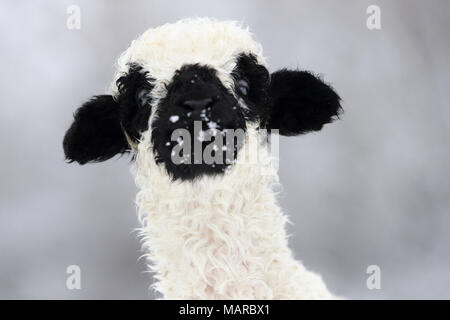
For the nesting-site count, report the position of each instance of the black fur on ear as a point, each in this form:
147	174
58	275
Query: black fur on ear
96	133
300	102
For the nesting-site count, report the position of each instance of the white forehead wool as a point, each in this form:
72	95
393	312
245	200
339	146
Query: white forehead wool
165	49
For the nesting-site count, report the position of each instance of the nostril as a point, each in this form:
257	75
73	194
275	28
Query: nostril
198	104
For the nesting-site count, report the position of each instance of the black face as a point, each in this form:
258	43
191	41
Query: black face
196	94
294	102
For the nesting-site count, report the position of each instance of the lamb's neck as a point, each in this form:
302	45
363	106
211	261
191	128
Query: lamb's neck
238	192
221	230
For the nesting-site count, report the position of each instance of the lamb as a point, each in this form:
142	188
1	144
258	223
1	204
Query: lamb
210	229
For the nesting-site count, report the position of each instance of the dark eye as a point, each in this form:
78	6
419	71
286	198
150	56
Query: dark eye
142	96
243	86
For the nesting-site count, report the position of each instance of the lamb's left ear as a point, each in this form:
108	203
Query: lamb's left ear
96	133
300	102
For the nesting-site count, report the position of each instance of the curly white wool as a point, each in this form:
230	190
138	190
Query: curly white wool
165	49
219	237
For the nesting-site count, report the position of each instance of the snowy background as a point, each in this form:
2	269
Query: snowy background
370	189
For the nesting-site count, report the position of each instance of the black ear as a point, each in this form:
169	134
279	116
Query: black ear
300	102
96	133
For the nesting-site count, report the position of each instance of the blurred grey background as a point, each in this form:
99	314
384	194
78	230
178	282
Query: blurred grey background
372	188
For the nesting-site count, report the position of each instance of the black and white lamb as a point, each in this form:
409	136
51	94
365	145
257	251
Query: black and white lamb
211	225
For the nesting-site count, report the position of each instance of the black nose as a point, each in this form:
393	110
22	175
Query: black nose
198	104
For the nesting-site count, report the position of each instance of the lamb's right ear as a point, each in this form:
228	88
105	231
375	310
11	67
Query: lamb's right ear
96	133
